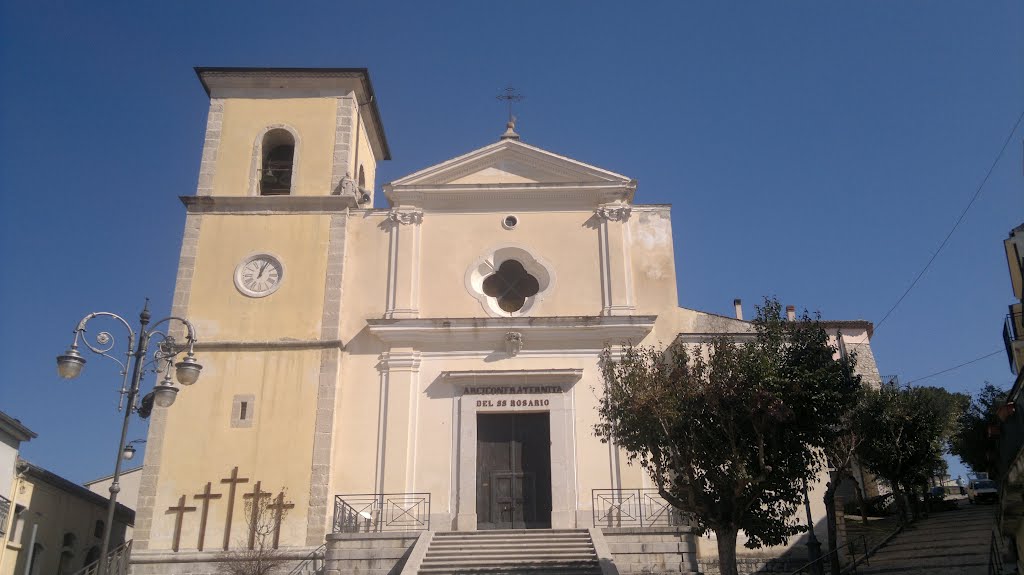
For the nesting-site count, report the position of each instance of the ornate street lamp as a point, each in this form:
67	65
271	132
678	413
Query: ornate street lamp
129	449
71	362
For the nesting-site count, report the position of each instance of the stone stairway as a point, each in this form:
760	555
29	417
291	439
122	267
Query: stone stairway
535	551
948	543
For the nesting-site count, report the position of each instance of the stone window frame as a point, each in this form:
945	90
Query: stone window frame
237	402
256	162
486	264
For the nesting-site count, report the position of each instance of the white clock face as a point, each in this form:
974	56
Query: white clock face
259	275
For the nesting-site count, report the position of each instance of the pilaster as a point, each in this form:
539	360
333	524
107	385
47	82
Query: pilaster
396	429
403	263
616	265
211	146
323	431
343	149
158	419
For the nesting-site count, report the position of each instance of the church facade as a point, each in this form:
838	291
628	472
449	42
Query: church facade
431	366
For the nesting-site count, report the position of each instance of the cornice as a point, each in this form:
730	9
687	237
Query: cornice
284	344
576	332
267	204
578	195
513	149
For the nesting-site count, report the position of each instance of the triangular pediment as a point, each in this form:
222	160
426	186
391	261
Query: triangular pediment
510	162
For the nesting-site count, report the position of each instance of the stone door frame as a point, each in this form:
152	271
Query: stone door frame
475	387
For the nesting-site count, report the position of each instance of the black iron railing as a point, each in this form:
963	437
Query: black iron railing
890	380
5	510
379	512
1013	331
634	508
856	549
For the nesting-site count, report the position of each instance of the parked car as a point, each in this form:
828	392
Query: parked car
982	490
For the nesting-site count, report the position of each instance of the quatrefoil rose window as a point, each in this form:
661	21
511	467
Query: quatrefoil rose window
511	284
509	281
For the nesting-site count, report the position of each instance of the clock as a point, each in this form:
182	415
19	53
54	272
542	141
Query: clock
259	275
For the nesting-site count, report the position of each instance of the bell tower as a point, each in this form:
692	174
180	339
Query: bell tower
289	154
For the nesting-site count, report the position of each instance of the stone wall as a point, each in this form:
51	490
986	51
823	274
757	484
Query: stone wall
652	551
294	561
368	553
751	565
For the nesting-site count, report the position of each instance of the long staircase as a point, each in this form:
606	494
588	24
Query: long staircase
948	543
547	551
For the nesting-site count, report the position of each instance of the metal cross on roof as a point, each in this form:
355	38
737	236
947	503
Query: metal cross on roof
510	96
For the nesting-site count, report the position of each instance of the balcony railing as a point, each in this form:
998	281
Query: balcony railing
890	380
1013	331
634	508
5	510
380	512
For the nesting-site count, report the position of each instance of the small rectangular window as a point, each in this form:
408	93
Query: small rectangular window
243	410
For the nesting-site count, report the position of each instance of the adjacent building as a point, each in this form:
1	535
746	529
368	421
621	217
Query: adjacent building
1011	438
50	525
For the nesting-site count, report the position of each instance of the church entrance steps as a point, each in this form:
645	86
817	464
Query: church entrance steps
562	551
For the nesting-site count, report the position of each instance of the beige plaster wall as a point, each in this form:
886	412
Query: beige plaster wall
244	120
200	445
365	158
566	241
653	259
220	312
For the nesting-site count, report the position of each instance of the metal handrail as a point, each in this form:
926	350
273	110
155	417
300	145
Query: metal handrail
851	567
117	561
314	559
380	512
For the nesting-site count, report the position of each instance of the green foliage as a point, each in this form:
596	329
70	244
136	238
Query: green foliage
907	430
971	442
731	431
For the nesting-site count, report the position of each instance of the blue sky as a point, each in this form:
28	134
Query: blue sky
815	151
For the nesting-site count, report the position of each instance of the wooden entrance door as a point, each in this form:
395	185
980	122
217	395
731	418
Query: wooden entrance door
513	471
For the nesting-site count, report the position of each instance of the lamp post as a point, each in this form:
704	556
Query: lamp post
813	545
71	362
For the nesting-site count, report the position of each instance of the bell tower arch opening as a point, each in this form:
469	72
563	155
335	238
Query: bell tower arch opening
277	165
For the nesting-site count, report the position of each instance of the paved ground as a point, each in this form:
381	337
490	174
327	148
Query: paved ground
948	543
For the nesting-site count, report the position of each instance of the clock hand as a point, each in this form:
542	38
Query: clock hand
261	269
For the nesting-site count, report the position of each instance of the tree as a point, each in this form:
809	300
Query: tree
259	554
910	428
730	432
971	442
841	454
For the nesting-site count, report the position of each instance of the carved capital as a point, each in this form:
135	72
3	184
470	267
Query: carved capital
405	217
613	212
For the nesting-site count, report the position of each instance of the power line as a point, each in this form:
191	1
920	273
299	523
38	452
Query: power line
957	224
977	359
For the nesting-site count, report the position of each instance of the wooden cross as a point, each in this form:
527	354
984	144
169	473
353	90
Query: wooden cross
233	481
205	497
254	515
279	507
180	511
